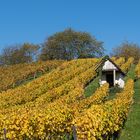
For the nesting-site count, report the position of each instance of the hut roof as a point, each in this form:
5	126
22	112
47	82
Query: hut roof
104	59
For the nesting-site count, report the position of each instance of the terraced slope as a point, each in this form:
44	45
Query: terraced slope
51	105
12	76
34	98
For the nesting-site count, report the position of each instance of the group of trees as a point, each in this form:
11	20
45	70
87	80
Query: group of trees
16	54
65	45
126	50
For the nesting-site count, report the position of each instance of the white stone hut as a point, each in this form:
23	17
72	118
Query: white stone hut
111	73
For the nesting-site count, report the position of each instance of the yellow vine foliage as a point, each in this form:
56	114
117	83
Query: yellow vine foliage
14	75
49	106
113	58
120	61
53	120
41	117
101	121
98	97
47	82
125	67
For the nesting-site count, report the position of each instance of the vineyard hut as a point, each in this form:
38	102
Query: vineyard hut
110	72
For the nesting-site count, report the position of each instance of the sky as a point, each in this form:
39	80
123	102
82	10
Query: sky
110	21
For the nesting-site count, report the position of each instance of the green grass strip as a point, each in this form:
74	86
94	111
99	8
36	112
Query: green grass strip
131	129
91	88
131	73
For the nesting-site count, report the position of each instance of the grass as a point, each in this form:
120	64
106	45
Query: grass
91	88
131	129
131	73
113	91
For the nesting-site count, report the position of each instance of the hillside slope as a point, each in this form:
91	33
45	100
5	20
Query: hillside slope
12	76
51	105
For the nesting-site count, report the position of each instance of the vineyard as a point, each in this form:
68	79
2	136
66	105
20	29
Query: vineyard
14	75
54	106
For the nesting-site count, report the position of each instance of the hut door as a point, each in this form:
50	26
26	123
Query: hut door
109	79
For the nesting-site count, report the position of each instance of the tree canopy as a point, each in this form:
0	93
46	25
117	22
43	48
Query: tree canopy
127	49
70	44
18	54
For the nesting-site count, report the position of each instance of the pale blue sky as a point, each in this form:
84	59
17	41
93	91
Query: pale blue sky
111	21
